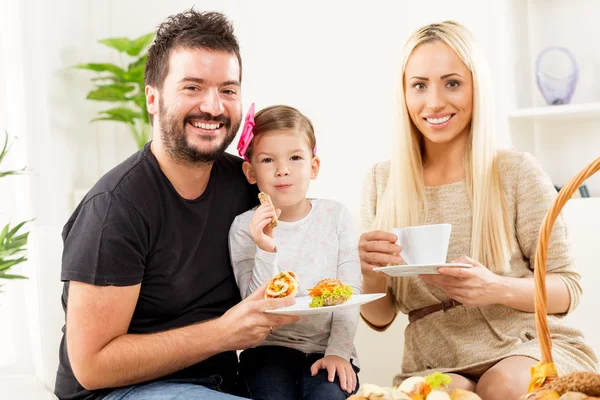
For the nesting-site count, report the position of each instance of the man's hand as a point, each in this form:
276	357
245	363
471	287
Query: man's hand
247	324
260	230
333	365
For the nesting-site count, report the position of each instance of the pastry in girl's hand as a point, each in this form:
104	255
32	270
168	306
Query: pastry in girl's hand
329	292
266	199
283	284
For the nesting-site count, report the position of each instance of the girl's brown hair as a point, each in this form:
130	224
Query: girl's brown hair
281	118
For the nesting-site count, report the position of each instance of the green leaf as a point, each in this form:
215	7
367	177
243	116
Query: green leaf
3	153
140	62
115	119
16	244
3	233
15	229
6	264
122	113
139	44
15	172
8	253
7	276
121	44
107	78
4	147
125	86
115	92
131	47
102	67
21	237
140	100
135	75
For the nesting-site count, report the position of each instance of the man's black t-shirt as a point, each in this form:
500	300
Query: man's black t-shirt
133	227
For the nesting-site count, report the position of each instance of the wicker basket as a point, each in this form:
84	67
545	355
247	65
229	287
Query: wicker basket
544	375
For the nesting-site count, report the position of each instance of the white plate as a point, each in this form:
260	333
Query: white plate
301	307
418	269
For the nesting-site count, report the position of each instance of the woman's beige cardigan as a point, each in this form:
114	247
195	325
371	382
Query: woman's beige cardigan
469	340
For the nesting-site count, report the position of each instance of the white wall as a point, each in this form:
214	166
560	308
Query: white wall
336	61
340	71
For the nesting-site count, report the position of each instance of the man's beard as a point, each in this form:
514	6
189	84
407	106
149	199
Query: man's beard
176	144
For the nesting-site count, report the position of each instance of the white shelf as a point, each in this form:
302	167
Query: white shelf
587	110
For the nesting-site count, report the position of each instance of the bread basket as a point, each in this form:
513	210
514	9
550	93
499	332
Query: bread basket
544	376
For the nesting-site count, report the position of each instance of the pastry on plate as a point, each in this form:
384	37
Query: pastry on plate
329	292
283	284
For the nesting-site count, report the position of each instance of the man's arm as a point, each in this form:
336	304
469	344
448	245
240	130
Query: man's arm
103	354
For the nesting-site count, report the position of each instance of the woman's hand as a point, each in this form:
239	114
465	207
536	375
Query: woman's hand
260	230
339	365
477	286
377	249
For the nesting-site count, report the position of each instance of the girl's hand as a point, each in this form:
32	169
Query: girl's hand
333	365
377	249
261	232
477	286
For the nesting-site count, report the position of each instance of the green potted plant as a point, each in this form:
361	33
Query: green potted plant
12	239
123	86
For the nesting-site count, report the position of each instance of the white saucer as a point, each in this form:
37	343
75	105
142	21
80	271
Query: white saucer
418	269
301	307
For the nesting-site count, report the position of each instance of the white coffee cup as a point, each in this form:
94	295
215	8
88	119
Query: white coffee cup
424	244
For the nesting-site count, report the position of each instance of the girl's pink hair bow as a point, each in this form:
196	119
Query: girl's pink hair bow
247	135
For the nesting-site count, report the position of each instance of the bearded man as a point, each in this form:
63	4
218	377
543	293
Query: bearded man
151	303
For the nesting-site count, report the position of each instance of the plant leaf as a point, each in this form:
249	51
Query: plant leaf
140	62
109	78
4	254
122	114
134	75
102	67
21	237
7	276
15	229
16	244
3	233
115	119
6	264
139	44
121	44
4	147
15	172
115	92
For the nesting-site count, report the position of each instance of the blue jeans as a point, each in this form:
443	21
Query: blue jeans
281	373
179	389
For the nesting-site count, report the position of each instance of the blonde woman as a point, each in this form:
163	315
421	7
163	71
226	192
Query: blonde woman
474	323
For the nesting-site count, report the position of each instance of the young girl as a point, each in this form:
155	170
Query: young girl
315	357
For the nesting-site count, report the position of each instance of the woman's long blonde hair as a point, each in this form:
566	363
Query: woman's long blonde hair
403	202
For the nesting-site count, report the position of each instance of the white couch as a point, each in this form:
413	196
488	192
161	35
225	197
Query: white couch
380	353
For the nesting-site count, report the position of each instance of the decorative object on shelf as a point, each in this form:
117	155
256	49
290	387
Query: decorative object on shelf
12	245
124	86
581	193
557	90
